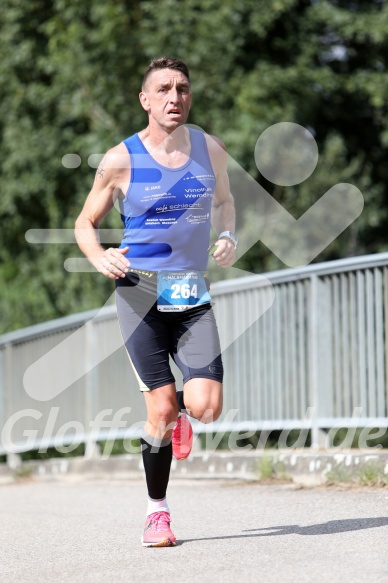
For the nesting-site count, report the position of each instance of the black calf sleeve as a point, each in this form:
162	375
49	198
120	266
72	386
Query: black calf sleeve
181	403
157	456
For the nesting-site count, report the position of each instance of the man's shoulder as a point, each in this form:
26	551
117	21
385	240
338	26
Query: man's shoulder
214	142
122	147
217	151
115	161
117	149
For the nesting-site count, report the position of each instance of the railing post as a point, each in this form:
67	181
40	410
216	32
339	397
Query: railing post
91	447
318	436
14	460
3	386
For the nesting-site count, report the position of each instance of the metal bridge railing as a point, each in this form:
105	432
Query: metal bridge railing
303	348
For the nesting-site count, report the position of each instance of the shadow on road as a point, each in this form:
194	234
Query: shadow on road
331	527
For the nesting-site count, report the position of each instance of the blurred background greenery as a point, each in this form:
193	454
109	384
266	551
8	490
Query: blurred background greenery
70	74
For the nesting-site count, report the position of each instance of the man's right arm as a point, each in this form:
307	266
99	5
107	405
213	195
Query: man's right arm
110	262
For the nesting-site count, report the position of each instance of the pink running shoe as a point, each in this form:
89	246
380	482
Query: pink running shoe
182	438
157	532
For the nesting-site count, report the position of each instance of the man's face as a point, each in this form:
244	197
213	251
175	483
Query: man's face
167	98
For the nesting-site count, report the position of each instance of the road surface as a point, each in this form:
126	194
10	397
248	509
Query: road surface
89	531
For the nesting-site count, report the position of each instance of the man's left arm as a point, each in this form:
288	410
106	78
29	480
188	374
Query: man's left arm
223	216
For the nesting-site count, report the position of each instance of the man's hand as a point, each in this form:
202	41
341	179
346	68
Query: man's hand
224	255
112	262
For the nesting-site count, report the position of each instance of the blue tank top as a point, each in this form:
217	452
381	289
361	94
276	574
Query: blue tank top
166	211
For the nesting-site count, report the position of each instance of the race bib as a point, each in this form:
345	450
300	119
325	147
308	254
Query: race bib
181	290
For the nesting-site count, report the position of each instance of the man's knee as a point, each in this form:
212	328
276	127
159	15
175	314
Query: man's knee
163	413
162	409
209	414
206	409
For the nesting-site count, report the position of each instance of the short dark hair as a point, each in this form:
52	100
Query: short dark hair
165	63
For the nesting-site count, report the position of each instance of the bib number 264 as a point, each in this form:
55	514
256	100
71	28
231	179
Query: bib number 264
184	291
181	290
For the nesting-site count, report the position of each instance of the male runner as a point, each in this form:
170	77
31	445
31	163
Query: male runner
169	181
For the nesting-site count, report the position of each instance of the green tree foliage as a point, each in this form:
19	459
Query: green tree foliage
68	84
70	74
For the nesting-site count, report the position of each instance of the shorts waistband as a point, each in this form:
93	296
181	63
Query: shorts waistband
143	272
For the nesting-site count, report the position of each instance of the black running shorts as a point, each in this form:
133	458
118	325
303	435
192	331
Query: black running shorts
190	337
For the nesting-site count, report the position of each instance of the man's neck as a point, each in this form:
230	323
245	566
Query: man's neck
165	141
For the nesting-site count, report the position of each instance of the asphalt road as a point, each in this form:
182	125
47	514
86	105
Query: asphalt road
90	531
